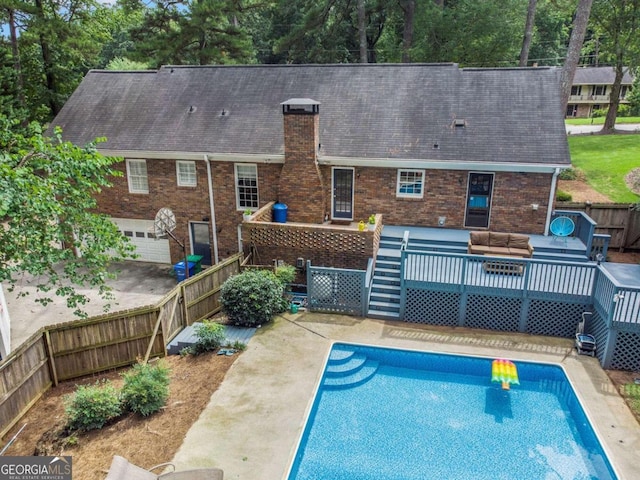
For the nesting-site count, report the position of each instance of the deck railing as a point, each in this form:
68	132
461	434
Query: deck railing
520	276
585	227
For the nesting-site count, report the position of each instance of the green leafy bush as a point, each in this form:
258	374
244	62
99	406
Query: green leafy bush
624	111
252	297
568	174
146	388
602	112
91	407
286	273
563	196
210	336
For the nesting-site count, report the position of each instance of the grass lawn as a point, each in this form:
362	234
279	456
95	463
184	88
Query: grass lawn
599	120
605	160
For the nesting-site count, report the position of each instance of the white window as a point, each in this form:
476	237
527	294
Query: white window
137	176
410	184
246	186
186	173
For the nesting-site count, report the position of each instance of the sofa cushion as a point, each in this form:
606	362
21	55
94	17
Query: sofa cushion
479	238
519	252
498	251
498	239
480	249
517	240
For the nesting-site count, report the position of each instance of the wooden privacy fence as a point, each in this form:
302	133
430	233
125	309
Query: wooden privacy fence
83	347
620	220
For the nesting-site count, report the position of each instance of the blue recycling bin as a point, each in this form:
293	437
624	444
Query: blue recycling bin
280	213
181	273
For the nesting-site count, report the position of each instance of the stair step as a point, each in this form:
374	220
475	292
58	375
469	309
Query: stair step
340	354
354	363
438	247
389	252
385	288
386	280
387	306
387	272
384	297
383	315
364	373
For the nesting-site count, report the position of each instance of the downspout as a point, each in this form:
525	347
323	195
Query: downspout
213	211
554	182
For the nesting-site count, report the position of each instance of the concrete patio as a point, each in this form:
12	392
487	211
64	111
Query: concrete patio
252	425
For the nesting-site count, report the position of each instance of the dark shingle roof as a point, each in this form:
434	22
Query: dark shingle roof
599	76
366	111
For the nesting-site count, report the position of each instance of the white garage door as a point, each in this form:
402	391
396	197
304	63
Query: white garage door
140	233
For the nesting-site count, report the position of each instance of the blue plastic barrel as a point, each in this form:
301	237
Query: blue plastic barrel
280	213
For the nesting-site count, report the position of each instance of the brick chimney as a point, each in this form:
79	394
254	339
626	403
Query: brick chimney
301	187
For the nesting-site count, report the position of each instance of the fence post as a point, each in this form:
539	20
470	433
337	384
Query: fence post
52	360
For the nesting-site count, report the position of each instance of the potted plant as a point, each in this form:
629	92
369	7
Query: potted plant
372	222
246	215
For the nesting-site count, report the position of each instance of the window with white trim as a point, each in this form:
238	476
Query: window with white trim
137	176
186	173
246	186
410	184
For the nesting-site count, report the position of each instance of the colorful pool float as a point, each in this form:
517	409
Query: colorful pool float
505	372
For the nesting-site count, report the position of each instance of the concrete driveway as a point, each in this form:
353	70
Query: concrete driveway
584	129
137	284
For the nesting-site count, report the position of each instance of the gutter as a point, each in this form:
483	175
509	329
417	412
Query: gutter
554	182
213	211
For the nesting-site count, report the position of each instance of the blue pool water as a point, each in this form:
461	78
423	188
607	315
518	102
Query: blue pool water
391	414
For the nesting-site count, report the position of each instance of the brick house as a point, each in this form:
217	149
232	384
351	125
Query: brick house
424	145
591	90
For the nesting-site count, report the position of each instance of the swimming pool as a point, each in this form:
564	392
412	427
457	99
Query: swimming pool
381	413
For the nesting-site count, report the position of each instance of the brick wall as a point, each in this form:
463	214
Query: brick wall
445	195
301	186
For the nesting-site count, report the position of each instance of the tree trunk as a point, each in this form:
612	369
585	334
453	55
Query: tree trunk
16	58
47	62
528	33
614	99
409	8
573	52
362	31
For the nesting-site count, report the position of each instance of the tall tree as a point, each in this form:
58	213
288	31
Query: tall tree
528	33
408	8
572	58
195	32
617	25
47	206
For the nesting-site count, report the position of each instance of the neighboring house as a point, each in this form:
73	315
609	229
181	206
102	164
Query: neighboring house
425	145
591	90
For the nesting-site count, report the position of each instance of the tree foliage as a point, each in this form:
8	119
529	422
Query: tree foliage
50	230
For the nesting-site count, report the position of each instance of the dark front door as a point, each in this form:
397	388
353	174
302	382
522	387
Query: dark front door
479	192
342	194
200	242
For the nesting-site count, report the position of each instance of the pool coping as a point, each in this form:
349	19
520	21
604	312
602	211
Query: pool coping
252	425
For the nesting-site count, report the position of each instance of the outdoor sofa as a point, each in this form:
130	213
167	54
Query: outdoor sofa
500	244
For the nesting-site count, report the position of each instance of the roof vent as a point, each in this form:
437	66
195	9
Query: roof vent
459	123
192	108
224	113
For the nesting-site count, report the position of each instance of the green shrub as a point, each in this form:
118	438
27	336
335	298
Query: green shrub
210	336
252	297
286	273
602	112
624	111
563	196
568	174
146	388
92	406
